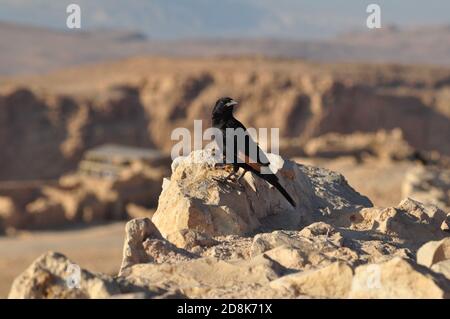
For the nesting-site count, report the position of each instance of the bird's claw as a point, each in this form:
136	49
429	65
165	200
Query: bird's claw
219	180
229	182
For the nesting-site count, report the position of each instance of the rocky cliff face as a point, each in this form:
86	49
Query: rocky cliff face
210	241
38	129
139	102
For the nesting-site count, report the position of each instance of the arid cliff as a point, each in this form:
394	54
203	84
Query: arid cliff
55	118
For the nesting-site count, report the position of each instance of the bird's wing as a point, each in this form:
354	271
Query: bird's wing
250	152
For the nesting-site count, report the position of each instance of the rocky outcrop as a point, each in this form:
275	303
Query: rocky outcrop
338	249
57	129
82	198
318	261
398	278
136	232
302	250
386	145
434	252
54	276
194	199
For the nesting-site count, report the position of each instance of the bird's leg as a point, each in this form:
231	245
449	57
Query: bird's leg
222	164
232	173
228	177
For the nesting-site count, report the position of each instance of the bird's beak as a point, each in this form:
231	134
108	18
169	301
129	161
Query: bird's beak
231	103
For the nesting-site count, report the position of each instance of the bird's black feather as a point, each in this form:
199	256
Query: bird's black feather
247	155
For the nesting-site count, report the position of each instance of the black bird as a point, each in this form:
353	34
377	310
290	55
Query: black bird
255	161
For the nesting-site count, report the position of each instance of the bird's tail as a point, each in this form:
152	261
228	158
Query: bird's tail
274	181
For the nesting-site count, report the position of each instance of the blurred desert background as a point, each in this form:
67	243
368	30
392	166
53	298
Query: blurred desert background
86	115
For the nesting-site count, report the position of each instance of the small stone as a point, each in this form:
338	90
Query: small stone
332	281
397	278
188	238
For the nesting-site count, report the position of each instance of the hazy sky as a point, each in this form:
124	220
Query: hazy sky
227	18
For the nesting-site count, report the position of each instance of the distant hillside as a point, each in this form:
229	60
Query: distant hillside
47	122
26	49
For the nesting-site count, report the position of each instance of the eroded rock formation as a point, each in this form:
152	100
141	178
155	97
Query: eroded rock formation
193	198
342	248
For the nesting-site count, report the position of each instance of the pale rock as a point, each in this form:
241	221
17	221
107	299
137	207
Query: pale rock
287	256
136	231
425	212
188	239
161	251
144	244
382	250
398	278
324	231
267	241
293	250
53	276
409	221
193	199
207	277
47	278
442	267
434	252
332	281
230	247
